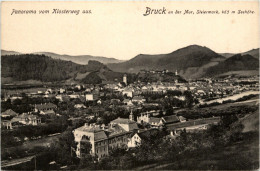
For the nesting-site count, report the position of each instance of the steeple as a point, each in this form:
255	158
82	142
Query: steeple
131	116
125	79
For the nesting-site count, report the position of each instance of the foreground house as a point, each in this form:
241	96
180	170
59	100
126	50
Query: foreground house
104	139
137	137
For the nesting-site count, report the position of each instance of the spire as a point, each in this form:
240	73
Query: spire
176	72
125	79
131	116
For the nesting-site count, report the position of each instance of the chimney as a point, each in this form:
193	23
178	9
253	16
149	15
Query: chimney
172	133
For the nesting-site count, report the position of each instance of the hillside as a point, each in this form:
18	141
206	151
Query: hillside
5	52
45	69
193	62
187	61
80	59
253	52
235	63
154	77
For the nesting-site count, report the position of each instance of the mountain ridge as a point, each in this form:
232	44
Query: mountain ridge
79	59
24	66
181	60
191	62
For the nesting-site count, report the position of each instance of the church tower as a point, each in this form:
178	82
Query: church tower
125	79
131	116
176	72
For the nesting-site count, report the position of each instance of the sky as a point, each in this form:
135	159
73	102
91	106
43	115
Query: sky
120	30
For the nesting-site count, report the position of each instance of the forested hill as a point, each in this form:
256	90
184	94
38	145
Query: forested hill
40	67
235	63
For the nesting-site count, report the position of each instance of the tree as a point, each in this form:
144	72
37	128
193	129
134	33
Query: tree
65	154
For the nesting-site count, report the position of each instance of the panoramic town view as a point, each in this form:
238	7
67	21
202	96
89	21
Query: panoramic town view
90	117
118	90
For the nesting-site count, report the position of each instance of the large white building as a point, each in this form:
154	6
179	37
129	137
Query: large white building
102	138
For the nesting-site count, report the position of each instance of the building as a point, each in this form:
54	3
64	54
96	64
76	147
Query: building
9	113
131	116
92	97
159	121
128	92
153	121
47	112
170	119
74	96
59	97
138	99
6	124
192	125
44	107
127	102
104	139
27	119
62	90
137	137
79	106
125	79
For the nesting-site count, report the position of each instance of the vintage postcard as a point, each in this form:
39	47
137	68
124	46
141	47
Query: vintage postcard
136	85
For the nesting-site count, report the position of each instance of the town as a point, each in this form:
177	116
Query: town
93	121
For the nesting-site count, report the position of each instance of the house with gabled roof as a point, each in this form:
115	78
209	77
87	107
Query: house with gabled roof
138	99
170	119
9	113
44	107
27	119
137	137
128	102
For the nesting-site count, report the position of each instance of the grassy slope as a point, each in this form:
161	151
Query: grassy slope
240	156
243	155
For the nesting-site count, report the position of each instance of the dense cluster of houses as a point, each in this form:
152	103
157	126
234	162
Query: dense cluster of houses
124	132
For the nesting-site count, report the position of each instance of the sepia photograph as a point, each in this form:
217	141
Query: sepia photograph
135	85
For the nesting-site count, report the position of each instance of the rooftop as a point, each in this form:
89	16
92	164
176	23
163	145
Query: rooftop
122	121
45	105
193	123
172	118
9	112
